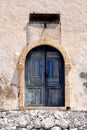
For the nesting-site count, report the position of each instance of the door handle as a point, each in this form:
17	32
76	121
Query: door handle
45	74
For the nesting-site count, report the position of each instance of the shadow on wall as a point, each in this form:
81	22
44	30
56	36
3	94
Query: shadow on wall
8	89
14	80
29	28
27	32
14	83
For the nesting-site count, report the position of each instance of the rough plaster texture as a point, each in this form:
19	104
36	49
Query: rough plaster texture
15	34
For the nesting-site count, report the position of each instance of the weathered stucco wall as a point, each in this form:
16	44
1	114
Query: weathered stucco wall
15	34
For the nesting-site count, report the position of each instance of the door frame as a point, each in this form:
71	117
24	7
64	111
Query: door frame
21	72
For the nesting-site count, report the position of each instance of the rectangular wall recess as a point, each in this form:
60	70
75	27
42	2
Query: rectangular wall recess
44	18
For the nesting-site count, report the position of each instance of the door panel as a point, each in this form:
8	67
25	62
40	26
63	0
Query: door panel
53	96
34	96
53	88
35	69
52	71
44	77
35	79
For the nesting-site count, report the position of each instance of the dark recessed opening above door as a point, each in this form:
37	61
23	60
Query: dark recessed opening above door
44	18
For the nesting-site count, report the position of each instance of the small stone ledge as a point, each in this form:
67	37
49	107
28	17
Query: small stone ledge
43	120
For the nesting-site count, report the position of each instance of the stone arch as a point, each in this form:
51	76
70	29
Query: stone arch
21	65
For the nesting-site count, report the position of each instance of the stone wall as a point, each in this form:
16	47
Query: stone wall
15	34
43	120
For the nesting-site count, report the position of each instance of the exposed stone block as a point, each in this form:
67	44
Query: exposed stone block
37	123
56	128
47	123
65	129
73	129
22	129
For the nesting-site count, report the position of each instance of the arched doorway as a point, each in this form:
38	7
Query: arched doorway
44	77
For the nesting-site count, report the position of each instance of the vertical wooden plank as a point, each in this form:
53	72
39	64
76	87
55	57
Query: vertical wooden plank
54	97
40	68
31	96
54	89
39	96
34	87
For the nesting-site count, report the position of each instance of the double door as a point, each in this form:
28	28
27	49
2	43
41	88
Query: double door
44	77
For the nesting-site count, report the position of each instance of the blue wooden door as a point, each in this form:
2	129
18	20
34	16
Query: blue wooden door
54	79
44	77
34	78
